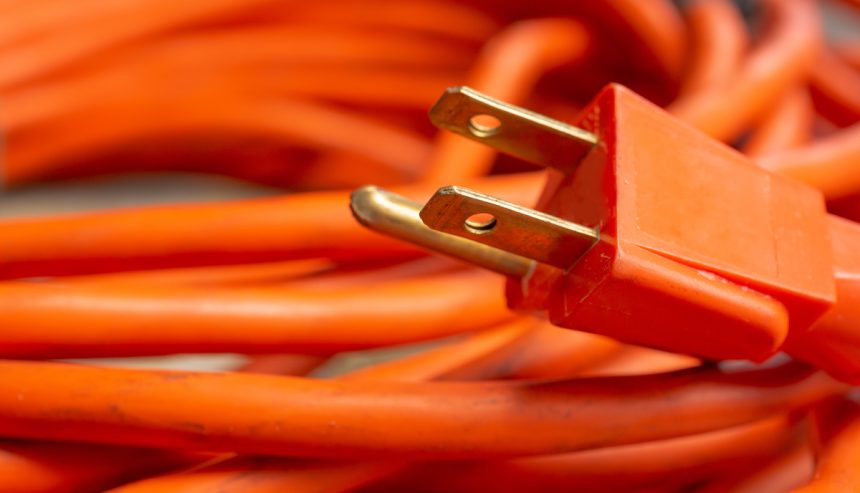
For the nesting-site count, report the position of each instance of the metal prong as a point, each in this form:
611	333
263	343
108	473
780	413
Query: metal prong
509	227
396	216
510	129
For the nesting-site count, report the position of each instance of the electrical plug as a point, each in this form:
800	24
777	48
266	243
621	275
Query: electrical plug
647	231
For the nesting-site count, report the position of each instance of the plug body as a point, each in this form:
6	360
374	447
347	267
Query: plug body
700	251
833	342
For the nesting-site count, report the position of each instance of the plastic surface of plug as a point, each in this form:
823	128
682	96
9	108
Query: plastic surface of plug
833	342
700	251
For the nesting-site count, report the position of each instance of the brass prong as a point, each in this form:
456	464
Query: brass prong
510	129
397	216
509	227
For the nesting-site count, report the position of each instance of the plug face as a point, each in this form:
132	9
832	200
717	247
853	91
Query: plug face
700	251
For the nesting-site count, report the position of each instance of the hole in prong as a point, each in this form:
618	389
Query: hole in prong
480	223
483	125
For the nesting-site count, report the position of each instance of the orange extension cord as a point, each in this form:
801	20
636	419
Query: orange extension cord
315	99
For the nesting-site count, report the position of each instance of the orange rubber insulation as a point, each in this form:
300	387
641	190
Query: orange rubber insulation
502	419
774	66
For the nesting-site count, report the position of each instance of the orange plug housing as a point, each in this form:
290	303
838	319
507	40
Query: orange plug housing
700	251
833	343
